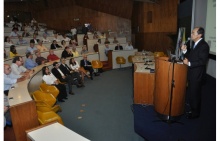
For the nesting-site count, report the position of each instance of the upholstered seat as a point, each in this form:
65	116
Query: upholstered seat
45	117
49	89
120	60
45	102
96	64
130	58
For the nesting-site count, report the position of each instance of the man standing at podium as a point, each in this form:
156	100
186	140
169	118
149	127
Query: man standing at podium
196	60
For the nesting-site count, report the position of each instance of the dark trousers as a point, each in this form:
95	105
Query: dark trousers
62	91
90	69
195	96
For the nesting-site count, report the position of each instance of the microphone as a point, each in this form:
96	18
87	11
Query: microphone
188	40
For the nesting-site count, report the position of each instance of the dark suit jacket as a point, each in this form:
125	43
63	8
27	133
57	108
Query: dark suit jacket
64	69
57	74
82	63
198	58
118	48
65	54
52	46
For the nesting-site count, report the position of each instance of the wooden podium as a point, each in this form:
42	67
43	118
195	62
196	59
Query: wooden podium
163	85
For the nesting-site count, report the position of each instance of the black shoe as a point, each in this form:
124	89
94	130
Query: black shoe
65	98
61	100
97	74
79	85
71	93
190	115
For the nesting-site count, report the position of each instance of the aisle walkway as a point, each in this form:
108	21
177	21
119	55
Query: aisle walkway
101	110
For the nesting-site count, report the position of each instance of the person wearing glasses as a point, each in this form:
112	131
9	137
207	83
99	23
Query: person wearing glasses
18	68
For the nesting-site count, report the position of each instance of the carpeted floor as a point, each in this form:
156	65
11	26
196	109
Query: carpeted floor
101	111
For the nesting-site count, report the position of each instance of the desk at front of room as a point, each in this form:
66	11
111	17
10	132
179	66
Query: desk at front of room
144	79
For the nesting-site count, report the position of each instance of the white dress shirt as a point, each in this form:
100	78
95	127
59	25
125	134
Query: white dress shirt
49	79
17	70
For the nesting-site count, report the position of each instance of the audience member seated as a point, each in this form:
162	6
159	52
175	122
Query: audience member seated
72	43
95	36
106	49
26	33
21	41
52	56
118	47
23	26
39	59
66	53
87	66
66	38
50	79
32	49
84	50
85	39
62	78
10	78
13	51
102	35
63	44
35	39
18	68
46	33
54	45
106	41
67	71
129	46
33	22
75	52
115	41
5	55
29	62
74	65
56	37
45	39
41	47
8	41
36	32
14	33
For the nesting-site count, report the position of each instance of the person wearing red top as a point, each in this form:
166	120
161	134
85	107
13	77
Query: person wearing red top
52	56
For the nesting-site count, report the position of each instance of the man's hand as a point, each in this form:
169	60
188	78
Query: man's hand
186	61
183	47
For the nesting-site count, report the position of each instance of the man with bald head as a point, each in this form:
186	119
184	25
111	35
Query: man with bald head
196	60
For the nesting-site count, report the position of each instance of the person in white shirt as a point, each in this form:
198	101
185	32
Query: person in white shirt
56	37
14	33
8	41
66	38
45	39
73	30
74	65
17	67
129	46
50	79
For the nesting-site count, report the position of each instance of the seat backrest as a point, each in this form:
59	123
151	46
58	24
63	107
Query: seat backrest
130	58
97	64
49	89
158	54
120	60
43	96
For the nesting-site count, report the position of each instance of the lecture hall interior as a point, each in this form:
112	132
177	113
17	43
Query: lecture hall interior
109	70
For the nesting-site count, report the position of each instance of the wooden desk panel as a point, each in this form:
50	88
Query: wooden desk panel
143	88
